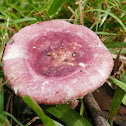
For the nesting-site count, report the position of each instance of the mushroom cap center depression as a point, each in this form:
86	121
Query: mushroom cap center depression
56	54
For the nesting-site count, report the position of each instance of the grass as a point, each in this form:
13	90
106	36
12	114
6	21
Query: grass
106	18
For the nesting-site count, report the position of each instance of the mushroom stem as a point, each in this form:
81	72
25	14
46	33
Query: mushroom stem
95	110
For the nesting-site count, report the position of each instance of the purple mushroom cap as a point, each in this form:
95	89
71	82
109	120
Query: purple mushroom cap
56	62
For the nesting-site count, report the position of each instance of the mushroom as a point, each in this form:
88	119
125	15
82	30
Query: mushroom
56	62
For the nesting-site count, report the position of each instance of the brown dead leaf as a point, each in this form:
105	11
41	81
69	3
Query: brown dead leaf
117	62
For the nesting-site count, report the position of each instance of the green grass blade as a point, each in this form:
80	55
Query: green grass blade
32	5
84	4
99	8
120	84
36	108
119	2
121	23
115	44
14	6
1	72
8	114
110	3
66	114
20	20
105	16
106	33
54	7
11	16
2	100
124	100
4	121
123	79
113	51
118	96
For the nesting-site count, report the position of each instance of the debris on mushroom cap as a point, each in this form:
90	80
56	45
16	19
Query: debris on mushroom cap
55	62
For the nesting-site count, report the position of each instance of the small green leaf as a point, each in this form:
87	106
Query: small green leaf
118	96
123	78
124	100
66	114
36	108
118	83
116	102
109	13
54	7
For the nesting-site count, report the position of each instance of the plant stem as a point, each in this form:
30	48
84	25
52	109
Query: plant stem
82	107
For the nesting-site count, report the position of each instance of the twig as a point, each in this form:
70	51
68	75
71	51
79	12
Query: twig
81	12
33	120
73	16
95	110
